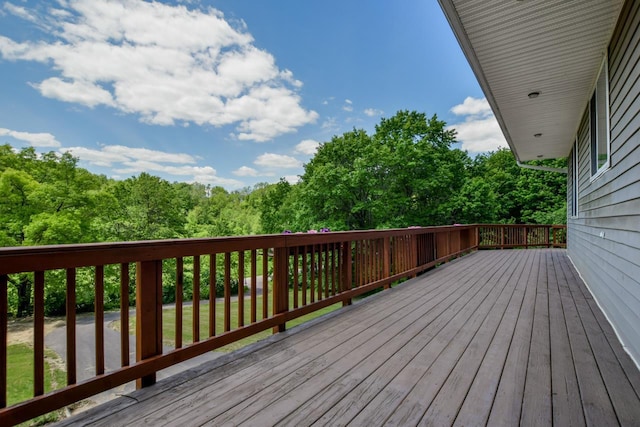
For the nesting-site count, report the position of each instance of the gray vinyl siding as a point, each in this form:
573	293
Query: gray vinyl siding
610	204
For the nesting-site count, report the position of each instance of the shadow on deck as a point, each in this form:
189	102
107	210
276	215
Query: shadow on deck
494	338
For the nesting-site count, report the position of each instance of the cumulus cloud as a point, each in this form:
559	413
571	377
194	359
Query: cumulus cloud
480	131
307	146
163	63
372	112
34	139
271	160
348	105
245	171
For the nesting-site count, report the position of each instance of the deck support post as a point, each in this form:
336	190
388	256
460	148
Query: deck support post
148	315
280	285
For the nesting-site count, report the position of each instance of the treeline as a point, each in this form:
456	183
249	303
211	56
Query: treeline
404	174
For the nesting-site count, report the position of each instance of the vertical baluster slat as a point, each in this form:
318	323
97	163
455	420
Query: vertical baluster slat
327	269
312	277
124	314
254	284
320	272
196	298
333	269
265	283
99	319
227	291
241	288
4	280
213	274
71	325
179	293
295	277
304	275
38	334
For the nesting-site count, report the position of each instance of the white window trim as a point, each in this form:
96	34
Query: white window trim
604	67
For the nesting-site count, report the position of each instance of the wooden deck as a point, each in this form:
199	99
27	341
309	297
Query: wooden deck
495	338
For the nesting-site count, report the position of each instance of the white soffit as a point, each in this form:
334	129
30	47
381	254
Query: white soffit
554	47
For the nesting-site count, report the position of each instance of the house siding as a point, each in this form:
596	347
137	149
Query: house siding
604	238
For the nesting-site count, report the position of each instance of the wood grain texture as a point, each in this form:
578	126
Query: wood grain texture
494	338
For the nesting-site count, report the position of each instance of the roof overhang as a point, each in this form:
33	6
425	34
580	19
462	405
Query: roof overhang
519	47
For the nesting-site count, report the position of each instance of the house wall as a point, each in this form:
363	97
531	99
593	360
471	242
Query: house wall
604	237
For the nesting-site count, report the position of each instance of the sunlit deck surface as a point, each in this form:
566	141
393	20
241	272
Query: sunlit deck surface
494	338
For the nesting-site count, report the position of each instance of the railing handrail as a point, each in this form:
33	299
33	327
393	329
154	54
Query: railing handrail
18	259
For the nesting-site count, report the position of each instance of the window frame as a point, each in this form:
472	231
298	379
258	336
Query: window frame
595	135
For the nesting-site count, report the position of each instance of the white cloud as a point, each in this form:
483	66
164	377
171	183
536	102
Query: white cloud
271	160
480	131
292	179
245	171
473	107
110	154
34	139
330	124
348	105
163	63
130	161
372	112
18	11
307	146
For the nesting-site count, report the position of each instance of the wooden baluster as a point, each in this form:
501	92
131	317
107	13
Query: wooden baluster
320	272
148	315
196	298
295	277
312	272
347	272
99	319
305	276
4	280
327	270
265	283
332	250
124	314
38	334
227	291
179	296
386	266
213	277
71	325
240	288
254	292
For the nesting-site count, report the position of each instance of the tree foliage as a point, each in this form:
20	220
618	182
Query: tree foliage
405	173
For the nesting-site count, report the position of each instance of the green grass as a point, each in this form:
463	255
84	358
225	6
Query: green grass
169	321
20	378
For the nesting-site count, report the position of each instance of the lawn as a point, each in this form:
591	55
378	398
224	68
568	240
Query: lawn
20	377
169	321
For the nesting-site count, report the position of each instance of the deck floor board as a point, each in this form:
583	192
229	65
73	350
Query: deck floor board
494	338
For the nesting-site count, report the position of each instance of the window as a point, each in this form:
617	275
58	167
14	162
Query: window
574	179
599	118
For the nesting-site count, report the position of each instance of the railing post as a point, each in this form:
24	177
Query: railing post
148	315
502	228
280	285
347	272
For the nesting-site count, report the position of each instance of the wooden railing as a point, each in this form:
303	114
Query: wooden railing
300	273
509	236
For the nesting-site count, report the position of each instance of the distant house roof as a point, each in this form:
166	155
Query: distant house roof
520	47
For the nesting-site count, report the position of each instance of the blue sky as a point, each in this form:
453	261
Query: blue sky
230	92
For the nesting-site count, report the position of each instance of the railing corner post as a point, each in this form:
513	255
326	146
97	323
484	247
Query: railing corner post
280	285
148	315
